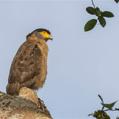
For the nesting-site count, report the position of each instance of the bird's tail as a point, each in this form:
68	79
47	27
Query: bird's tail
13	88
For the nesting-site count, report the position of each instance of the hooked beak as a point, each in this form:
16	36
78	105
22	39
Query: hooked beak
50	37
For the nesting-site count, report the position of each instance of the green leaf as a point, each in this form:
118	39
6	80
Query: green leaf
98	12
116	1
107	14
91	10
110	105
99	114
102	21
90	24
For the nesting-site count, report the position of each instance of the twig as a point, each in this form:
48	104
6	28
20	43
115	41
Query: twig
93	3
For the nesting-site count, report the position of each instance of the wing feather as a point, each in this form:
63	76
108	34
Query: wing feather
26	64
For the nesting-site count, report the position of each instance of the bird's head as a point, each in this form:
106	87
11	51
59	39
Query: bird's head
41	33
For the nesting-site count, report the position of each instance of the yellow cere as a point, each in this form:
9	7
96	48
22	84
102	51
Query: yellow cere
45	34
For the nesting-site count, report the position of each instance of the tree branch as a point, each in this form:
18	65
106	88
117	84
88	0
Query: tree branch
93	3
22	107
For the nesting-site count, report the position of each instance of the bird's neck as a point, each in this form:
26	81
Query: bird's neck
41	43
33	38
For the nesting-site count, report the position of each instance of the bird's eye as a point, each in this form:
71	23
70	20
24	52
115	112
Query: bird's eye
44	32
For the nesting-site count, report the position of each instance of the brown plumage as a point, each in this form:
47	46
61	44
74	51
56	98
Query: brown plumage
29	66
